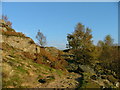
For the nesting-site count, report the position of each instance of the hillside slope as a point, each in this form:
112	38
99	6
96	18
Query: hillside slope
19	71
27	65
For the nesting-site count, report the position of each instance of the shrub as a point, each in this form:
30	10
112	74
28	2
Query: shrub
54	62
28	55
38	58
47	54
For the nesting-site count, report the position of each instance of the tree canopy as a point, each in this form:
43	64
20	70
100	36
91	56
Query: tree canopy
80	41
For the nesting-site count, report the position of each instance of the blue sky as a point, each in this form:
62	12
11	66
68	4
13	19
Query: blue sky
56	20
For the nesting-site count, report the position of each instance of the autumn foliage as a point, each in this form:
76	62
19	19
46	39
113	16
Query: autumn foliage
9	33
45	57
103	57
81	44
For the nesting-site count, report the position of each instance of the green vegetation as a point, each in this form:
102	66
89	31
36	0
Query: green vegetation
103	58
90	84
81	44
98	64
21	71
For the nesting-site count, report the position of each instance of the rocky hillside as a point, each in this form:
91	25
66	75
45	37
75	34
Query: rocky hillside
22	72
41	55
27	65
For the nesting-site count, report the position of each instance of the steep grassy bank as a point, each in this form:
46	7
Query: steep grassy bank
21	72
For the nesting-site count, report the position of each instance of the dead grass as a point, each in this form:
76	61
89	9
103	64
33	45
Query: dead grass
56	62
28	55
9	33
47	54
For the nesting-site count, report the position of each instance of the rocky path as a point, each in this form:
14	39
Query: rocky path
66	81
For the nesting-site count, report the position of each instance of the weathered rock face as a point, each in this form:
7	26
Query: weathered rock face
13	38
21	43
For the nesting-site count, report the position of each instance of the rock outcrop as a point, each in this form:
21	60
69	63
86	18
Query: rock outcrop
21	43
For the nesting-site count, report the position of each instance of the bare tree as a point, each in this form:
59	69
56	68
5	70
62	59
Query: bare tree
41	38
5	18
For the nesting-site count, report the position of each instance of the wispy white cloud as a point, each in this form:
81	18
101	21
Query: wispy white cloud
59	45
